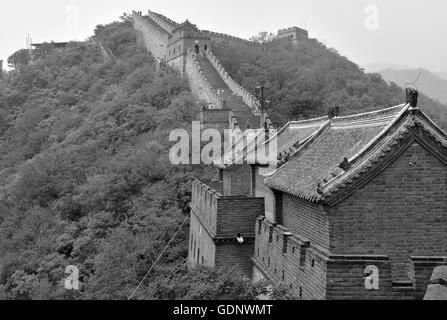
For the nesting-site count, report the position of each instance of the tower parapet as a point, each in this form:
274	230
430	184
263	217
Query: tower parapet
294	33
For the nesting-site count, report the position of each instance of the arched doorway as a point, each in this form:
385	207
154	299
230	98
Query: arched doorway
197	48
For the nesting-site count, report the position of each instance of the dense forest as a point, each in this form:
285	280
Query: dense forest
84	173
85	178
305	81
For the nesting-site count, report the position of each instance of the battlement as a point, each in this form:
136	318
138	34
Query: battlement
200	83
168	24
295	33
315	273
282	256
224	217
247	97
216	36
155	38
150	23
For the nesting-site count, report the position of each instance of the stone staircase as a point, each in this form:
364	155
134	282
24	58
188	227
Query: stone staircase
232	101
211	74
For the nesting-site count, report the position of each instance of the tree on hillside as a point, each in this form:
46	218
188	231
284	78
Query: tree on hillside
308	79
263	37
19	60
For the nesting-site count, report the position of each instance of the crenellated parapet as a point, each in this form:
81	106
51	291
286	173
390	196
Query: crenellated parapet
216	36
295	34
168	24
155	38
187	49
247	97
199	82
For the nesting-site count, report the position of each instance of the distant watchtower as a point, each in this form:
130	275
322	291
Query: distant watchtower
295	33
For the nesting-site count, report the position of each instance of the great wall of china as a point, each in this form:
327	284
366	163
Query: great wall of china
343	236
188	50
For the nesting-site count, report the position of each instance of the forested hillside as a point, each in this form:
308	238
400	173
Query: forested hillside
306	80
84	173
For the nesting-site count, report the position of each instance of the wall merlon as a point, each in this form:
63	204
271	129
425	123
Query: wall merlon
248	98
163	21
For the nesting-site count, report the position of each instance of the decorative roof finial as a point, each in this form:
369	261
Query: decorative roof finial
345	165
412	98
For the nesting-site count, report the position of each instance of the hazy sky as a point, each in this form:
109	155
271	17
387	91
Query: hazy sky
408	32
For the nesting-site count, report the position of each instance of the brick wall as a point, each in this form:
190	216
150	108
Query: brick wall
153	37
202	250
198	82
296	264
400	213
238	215
219	37
306	219
229	255
163	21
236	88
237	180
295	33
216	221
346	278
204	204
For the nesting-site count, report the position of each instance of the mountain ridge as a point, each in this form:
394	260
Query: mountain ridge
426	81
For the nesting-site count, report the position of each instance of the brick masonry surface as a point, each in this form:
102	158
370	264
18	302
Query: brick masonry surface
400	213
396	222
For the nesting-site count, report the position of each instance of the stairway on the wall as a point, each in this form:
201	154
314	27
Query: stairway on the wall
211	74
233	102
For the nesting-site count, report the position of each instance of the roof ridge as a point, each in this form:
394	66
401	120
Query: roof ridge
404	109
308	141
432	123
387	112
336	176
358	169
316	120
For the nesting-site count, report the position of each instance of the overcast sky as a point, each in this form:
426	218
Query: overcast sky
406	32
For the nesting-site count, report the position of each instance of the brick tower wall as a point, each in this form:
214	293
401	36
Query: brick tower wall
216	221
400	213
306	219
237	180
202	249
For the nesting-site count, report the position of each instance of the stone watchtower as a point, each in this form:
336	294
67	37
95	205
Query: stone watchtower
184	37
295	34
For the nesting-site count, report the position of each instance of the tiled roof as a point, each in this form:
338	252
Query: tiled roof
288	139
316	166
297	132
